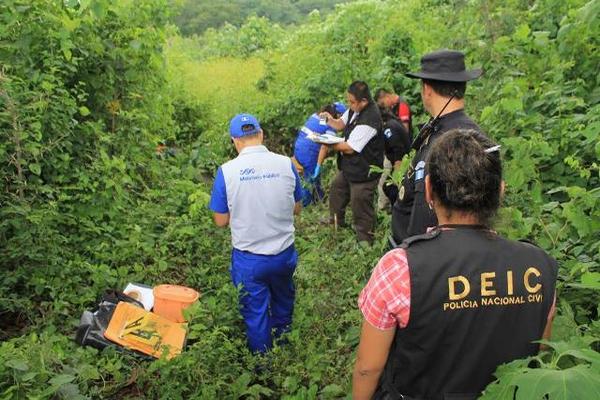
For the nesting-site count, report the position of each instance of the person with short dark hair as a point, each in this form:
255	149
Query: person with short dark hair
309	156
443	83
444	310
397	105
257	194
363	147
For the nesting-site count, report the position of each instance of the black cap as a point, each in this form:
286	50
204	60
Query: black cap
445	65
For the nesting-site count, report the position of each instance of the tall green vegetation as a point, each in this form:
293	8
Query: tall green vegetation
82	107
87	88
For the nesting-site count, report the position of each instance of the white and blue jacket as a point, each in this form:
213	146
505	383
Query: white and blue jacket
258	189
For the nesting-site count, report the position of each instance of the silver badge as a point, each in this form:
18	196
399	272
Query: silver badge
401	193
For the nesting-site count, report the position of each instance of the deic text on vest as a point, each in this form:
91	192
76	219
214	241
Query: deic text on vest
459	287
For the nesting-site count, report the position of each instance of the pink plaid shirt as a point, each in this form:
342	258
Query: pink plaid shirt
385	301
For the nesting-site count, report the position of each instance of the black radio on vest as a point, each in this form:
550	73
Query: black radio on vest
357	166
465	304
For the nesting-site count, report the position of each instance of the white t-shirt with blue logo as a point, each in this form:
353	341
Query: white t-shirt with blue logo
258	189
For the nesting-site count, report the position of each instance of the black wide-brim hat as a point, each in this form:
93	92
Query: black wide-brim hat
445	65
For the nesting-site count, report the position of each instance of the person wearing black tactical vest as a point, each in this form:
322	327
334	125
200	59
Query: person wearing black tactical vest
443	88
397	145
446	308
362	148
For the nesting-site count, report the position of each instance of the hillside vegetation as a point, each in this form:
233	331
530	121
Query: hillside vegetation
198	16
88	88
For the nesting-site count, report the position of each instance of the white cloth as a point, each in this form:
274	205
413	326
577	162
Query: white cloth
360	136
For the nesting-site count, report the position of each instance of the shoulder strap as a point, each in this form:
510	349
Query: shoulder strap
350	115
349	125
528	242
418	238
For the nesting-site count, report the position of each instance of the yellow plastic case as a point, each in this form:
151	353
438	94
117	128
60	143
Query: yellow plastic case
135	328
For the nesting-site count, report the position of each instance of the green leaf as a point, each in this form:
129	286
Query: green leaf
579	382
588	355
162	265
522	32
99	9
71	3
135	44
241	383
35	168
28	376
258	391
19	365
550	206
512	105
71	391
83	110
70	24
67	53
589	280
332	391
62	379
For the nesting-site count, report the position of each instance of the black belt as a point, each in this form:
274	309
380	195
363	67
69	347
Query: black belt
382	394
387	396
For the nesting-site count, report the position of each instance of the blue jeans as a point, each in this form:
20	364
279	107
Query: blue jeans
267	294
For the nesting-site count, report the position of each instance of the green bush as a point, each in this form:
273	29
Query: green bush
88	88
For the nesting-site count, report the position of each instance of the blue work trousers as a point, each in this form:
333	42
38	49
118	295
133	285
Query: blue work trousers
266	294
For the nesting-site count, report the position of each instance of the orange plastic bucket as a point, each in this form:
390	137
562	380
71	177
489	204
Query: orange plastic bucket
171	300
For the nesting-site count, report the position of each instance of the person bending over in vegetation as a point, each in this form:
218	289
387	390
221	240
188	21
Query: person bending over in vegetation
363	147
396	104
443	310
308	155
397	144
257	194
443	85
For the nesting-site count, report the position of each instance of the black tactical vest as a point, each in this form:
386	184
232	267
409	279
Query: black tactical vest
356	166
397	139
477	301
410	213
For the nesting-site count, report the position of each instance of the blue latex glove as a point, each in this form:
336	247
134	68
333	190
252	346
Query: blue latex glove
315	174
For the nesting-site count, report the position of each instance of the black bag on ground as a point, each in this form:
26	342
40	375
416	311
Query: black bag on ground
93	324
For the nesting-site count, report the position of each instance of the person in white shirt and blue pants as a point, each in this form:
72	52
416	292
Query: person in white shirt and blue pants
257	194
